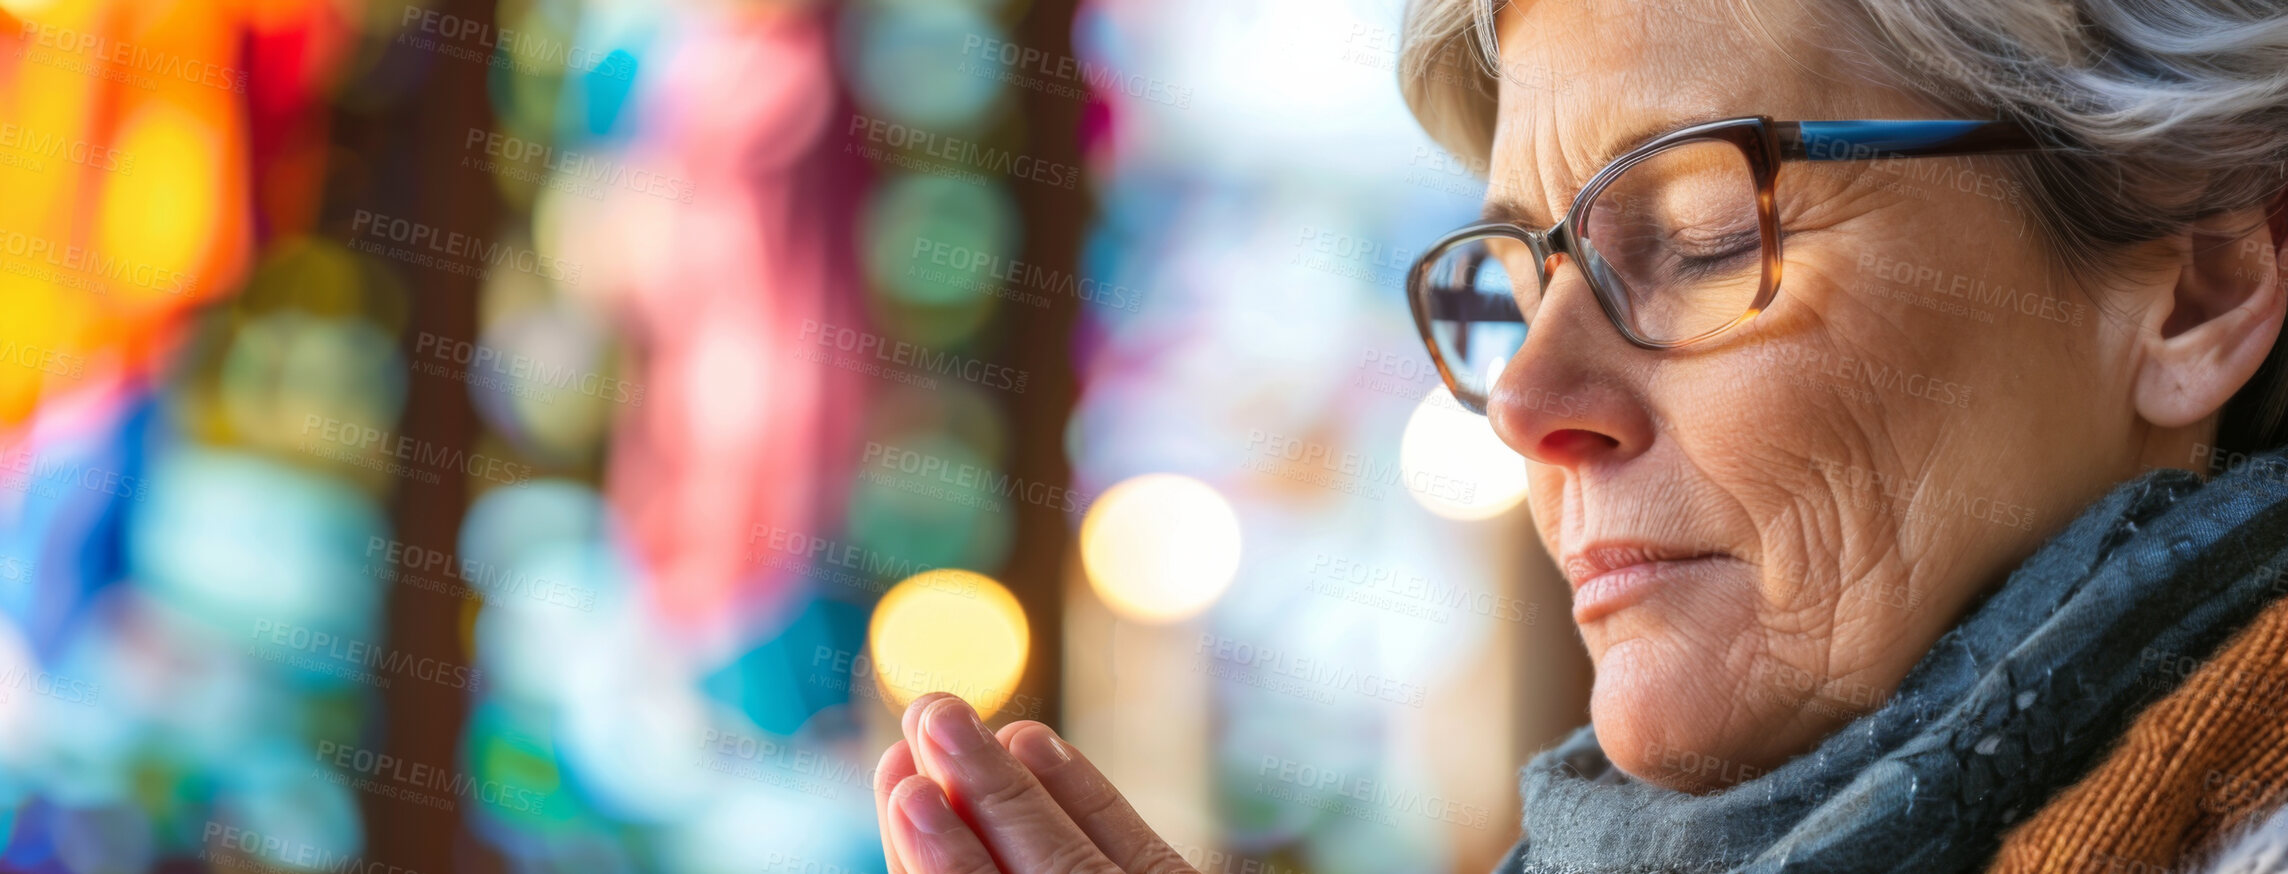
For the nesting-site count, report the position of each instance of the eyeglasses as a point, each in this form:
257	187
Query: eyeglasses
1679	239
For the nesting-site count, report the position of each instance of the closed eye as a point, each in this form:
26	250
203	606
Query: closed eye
1694	257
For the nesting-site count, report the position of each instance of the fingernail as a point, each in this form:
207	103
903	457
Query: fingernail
911	721
925	807
1042	750
955	727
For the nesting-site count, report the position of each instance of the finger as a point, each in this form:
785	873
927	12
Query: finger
930	836
1020	823
897	764
1092	801
910	722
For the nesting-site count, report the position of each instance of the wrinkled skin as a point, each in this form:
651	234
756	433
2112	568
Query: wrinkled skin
1862	464
956	798
1846	474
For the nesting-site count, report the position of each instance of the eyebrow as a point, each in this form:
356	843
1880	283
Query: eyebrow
1506	209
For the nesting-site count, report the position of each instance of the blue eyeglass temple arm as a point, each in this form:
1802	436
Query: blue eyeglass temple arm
1873	140
1464	306
1805	141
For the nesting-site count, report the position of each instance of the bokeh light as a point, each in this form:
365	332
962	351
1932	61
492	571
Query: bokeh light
543	392
949	631
905	53
1454	464
1160	547
166	214
935	243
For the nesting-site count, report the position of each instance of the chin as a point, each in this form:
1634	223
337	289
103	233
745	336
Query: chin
1669	718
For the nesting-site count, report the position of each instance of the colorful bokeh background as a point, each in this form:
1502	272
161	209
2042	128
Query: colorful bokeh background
558	435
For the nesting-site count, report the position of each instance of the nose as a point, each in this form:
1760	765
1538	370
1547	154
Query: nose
1573	394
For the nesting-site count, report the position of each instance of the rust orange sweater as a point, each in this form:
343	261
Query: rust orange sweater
2197	763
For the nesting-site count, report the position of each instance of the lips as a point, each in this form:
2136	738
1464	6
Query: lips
1609	576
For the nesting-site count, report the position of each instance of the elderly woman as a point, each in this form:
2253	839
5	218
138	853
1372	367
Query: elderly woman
1960	548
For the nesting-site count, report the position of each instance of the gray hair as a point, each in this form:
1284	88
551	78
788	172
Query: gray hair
2165	112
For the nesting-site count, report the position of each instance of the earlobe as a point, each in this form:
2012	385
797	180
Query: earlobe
2224	316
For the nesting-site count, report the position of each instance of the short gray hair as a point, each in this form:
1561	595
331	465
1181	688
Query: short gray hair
2167	112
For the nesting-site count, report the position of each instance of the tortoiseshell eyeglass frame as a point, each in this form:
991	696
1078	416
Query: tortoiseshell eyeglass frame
1765	144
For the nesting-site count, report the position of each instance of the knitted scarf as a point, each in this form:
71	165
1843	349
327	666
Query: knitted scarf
2017	702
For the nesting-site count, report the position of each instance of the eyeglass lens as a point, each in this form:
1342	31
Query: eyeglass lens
1673	244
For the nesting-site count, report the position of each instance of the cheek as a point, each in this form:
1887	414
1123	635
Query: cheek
1762	423
1876	460
1784	426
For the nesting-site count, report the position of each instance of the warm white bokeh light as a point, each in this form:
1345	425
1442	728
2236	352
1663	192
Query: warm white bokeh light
949	631
1160	547
25	8
1454	464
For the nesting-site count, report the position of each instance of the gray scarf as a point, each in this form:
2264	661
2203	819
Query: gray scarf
2017	702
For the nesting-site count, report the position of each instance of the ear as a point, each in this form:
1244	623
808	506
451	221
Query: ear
2223	316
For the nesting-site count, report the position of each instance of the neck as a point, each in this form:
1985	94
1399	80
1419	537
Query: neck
2190	447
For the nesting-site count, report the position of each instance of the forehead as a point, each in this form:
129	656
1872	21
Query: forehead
1582	80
